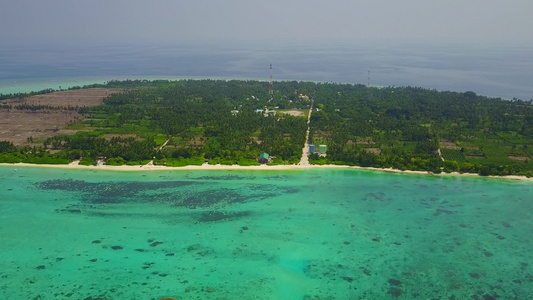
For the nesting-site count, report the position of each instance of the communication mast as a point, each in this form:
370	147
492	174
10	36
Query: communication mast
271	85
368	78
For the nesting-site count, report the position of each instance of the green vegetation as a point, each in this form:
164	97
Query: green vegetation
87	161
218	122
205	120
181	162
408	125
453	155
9	153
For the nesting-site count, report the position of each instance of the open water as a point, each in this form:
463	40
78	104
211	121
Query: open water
491	71
302	234
315	234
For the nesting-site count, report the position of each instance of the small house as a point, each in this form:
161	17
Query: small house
311	149
263	158
322	149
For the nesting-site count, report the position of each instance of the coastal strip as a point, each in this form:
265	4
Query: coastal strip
208	167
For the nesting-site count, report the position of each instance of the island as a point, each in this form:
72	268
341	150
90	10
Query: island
164	123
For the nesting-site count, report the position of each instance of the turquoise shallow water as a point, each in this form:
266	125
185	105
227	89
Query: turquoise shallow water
303	234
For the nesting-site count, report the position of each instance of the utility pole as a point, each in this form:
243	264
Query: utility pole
271	85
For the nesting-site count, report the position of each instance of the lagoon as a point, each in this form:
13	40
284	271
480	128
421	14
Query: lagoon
248	234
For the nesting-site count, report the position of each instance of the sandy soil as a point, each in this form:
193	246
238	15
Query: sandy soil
17	126
296	113
304	161
373	150
521	158
81	97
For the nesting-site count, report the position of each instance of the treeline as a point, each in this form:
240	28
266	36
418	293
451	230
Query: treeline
85	144
24	95
9	153
403	128
26	106
226	122
424	162
35	107
211	120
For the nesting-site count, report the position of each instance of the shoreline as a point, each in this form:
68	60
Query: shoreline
207	167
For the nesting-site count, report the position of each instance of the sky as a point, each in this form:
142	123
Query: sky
458	22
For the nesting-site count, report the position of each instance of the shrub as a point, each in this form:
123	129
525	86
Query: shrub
115	161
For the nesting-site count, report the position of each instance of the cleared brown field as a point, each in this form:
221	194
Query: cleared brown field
296	113
522	158
82	97
17	125
449	145
373	150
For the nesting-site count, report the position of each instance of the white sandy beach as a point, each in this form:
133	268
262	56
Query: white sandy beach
206	166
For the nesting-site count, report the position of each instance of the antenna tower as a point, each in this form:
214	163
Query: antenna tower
271	85
368	78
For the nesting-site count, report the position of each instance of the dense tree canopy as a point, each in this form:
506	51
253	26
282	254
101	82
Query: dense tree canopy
228	122
409	125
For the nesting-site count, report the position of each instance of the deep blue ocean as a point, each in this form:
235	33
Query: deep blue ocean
505	72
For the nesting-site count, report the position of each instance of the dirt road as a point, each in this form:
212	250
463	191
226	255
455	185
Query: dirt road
304	161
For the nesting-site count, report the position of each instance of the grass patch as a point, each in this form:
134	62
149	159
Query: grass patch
228	161
321	161
453	155
115	161
277	161
10	158
160	139
137	162
22	158
247	162
181	162
48	161
87	161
